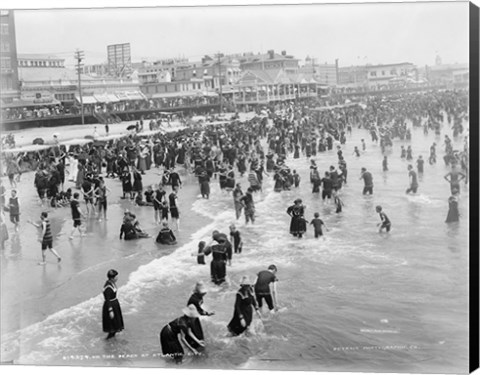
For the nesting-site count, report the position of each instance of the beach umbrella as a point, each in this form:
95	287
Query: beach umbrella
88	137
38	141
131	127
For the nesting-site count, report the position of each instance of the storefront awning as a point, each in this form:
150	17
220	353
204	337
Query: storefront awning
121	95
87	99
101	98
135	95
162	95
184	94
106	98
229	90
129	95
209	94
113	98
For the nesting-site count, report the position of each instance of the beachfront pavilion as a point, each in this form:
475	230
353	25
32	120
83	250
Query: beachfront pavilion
263	87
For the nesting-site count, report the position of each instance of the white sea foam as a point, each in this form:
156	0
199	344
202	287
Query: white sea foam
425	199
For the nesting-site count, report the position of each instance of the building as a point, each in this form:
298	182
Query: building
325	74
157	90
210	76
95	70
40	61
275	85
175	78
352	76
270	61
161	70
387	74
447	74
119	60
461	77
211	72
376	76
9	86
45	80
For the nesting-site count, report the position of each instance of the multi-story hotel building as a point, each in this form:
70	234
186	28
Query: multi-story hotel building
9	87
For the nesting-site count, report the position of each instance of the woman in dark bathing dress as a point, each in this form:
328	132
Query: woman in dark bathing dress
243	311
174	334
296	154
221	253
270	163
196	299
203	180
112	320
298	224
453	214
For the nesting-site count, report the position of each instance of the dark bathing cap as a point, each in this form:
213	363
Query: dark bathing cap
111	274
272	267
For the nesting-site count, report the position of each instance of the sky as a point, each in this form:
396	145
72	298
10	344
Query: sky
355	34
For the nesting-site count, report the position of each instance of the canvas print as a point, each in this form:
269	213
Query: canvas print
274	187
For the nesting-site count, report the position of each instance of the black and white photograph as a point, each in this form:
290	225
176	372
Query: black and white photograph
237	187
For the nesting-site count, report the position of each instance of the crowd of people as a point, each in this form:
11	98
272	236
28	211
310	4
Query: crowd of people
40	111
59	110
258	148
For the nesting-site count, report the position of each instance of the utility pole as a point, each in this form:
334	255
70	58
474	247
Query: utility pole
79	57
220	79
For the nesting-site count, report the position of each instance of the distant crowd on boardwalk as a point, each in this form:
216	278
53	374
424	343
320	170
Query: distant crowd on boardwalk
58	110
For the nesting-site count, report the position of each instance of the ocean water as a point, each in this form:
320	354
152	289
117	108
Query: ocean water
355	300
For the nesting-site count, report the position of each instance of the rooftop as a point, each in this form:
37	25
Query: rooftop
450	67
34	74
38	56
266	57
388	65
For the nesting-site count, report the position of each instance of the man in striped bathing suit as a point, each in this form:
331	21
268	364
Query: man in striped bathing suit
47	238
